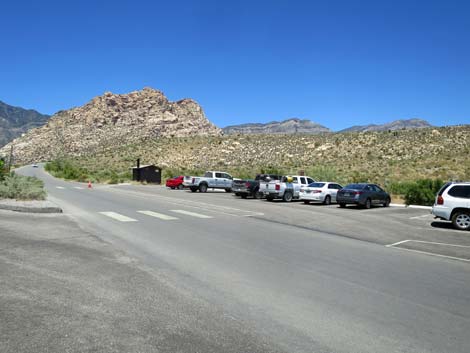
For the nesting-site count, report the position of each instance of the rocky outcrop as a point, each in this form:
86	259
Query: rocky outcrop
289	126
14	121
109	121
394	125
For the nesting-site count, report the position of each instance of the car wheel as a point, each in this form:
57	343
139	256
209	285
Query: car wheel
287	196
237	194
327	200
257	195
203	188
461	220
228	190
387	202
342	205
193	189
244	196
368	204
269	198
180	187
306	202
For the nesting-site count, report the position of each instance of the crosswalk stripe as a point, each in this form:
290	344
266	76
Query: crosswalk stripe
60	187
193	214
158	215
118	217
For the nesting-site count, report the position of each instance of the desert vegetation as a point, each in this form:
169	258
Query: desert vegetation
14	186
393	159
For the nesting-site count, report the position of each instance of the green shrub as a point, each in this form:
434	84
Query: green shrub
323	173
422	192
22	188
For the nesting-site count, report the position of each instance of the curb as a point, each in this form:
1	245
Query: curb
30	209
411	206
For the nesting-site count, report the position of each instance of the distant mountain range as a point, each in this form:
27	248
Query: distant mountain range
14	121
293	126
113	119
394	125
289	126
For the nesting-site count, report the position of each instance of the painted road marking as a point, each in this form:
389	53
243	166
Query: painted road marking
78	187
60	187
193	214
394	245
423	216
118	217
158	215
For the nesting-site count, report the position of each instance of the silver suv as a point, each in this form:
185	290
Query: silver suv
453	204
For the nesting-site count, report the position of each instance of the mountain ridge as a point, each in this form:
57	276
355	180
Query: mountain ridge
15	121
109	121
288	126
413	123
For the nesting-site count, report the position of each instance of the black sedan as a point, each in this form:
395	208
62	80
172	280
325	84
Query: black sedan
363	194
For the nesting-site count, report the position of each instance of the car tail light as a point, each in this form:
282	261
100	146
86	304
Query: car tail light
247	184
440	200
357	192
316	191
278	187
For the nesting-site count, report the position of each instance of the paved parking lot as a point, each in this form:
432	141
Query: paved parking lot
399	228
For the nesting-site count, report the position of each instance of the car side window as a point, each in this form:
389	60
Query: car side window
302	180
461	191
331	186
310	180
368	188
339	187
295	180
227	176
378	188
218	175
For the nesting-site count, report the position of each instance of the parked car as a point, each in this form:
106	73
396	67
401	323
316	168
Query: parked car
287	188
363	194
250	187
453	204
211	179
175	182
319	191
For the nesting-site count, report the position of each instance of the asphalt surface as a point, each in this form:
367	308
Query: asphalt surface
298	278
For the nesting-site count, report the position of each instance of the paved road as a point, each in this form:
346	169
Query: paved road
303	278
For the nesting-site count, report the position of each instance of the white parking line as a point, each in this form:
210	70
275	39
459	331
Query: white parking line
394	245
118	217
60	187
397	243
193	214
423	216
158	215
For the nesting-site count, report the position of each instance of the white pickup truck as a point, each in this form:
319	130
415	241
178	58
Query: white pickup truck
282	189
210	180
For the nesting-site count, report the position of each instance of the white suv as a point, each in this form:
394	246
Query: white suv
453	204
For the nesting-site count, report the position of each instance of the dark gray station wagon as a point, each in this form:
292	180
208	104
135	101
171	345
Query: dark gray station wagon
363	194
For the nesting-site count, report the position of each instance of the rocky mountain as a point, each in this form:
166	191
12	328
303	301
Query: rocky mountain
289	126
110	121
394	125
14	121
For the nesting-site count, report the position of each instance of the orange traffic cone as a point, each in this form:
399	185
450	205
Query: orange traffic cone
89	184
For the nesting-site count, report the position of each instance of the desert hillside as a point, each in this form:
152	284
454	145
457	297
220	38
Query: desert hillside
110	121
376	156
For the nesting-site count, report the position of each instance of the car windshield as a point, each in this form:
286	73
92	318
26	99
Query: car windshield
316	185
355	186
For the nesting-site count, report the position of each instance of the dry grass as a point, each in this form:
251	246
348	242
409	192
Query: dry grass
381	157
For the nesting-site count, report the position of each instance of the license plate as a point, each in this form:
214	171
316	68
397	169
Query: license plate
347	194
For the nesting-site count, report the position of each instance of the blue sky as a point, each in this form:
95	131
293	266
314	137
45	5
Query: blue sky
338	63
